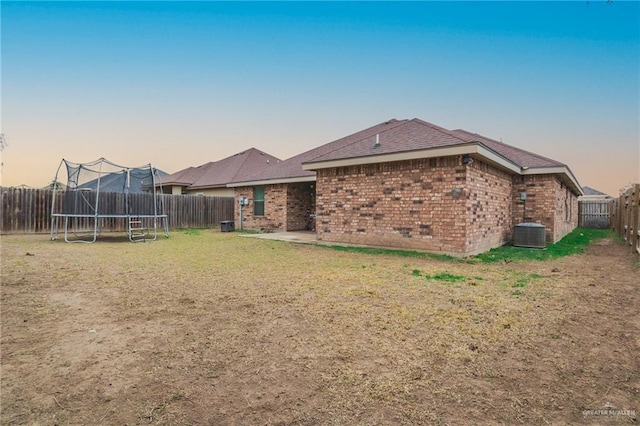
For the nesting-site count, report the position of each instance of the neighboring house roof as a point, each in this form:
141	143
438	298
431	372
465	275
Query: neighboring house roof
217	174
139	181
594	194
183	177
398	140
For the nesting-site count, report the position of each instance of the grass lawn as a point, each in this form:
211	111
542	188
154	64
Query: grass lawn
573	243
216	328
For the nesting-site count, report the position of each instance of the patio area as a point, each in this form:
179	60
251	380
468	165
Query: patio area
302	237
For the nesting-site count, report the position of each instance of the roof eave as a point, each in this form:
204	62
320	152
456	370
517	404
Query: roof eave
461	149
389	157
171	184
557	170
273	181
214	186
473	148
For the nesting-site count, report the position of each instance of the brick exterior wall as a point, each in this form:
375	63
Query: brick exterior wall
301	203
489	208
549	202
566	218
275	201
411	204
286	207
438	205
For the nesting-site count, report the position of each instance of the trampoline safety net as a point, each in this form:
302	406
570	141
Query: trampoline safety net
102	193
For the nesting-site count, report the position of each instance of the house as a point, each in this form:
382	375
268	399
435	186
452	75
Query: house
211	178
412	184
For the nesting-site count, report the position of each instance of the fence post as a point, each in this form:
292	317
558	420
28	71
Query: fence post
580	213
634	199
621	215
625	220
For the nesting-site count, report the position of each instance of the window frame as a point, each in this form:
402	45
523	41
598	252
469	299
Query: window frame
258	202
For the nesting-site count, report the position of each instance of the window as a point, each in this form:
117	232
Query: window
258	200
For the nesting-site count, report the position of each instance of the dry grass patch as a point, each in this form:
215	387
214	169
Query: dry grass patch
215	328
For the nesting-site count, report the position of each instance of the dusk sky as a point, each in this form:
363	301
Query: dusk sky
180	84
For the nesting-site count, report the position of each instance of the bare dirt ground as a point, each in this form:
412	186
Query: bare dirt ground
215	329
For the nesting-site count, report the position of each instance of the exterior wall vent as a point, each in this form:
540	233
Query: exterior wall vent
531	235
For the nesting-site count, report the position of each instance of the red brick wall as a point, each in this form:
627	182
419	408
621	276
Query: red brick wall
566	212
489	207
438	205
411	204
432	204
286	207
301	204
275	199
549	202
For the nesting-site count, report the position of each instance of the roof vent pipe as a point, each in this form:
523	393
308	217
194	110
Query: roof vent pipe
377	144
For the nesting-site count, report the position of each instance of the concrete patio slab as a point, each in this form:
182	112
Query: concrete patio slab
303	237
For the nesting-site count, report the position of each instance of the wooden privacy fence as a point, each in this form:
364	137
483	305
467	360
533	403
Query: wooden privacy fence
594	213
625	216
197	211
29	210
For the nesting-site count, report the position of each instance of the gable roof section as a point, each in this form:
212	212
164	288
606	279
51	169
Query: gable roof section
416	138
216	174
418	135
398	140
410	135
291	169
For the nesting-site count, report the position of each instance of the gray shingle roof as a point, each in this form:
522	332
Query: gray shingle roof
590	191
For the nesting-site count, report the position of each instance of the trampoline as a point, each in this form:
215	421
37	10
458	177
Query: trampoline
102	194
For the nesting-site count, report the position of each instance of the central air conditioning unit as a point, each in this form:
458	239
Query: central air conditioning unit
532	235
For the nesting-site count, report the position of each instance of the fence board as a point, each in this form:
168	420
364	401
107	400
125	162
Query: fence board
625	220
29	210
594	213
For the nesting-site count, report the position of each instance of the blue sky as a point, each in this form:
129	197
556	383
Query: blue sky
178	84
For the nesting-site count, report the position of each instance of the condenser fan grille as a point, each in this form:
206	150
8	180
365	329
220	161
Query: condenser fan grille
530	235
